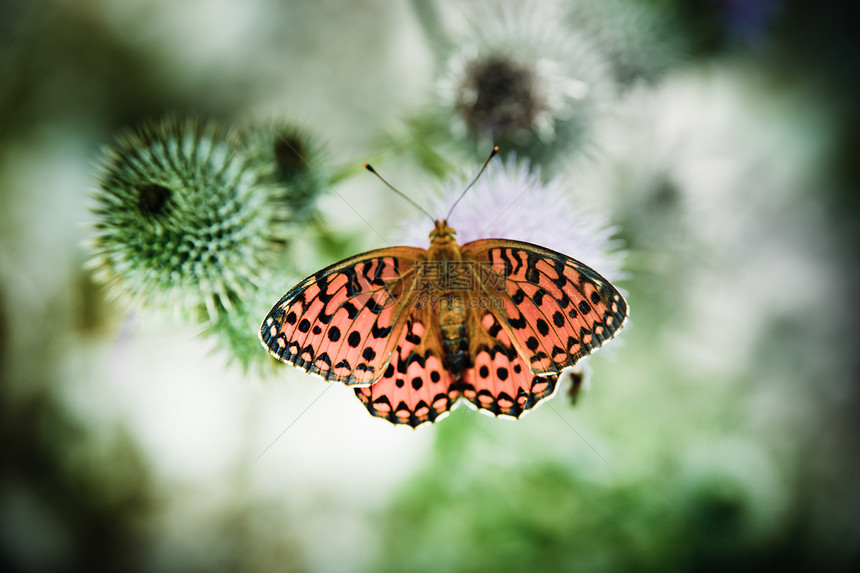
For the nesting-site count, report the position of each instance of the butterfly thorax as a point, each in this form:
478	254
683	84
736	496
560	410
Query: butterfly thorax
446	279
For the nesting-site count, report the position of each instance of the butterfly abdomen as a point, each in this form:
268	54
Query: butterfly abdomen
452	322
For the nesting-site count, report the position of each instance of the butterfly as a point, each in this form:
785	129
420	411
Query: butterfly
491	323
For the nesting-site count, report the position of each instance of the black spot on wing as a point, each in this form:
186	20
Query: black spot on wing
519	323
519	296
373	306
353	339
380	331
564	300
414	357
532	275
324	296
364	367
351	310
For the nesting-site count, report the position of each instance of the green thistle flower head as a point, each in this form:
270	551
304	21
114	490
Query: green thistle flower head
185	220
291	160
518	78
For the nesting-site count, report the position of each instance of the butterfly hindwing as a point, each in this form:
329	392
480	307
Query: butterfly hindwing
415	386
556	309
499	380
342	323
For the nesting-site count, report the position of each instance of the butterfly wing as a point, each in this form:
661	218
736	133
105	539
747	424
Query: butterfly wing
415	387
344	321
554	309
499	380
356	322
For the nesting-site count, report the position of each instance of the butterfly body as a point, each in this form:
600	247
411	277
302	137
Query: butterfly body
492	322
450	305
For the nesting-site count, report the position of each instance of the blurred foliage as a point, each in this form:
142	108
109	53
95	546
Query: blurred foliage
72	498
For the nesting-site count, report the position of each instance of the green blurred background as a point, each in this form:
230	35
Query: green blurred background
718	432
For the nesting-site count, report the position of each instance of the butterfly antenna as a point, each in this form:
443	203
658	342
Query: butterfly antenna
475	180
393	188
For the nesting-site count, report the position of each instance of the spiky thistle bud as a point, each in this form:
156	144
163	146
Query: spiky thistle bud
184	219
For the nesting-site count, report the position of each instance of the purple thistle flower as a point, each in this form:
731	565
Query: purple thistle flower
510	201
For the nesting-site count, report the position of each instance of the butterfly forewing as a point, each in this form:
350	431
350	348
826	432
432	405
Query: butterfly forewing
555	309
343	322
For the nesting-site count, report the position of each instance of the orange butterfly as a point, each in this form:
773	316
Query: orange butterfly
492	322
